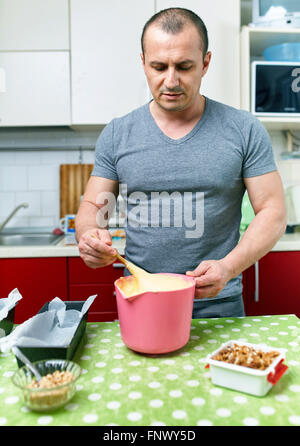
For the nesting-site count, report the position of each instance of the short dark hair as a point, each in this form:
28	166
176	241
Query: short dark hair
172	21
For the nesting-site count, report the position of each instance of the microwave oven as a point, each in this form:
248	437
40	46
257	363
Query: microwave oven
275	89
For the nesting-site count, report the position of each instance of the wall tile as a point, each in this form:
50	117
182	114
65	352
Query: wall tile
13	178
43	178
7	204
34	201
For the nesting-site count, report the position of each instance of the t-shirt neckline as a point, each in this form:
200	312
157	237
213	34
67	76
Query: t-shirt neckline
189	135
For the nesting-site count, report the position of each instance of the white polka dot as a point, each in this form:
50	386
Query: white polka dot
1	390
292	362
195	337
282	398
115	386
224	336
253	334
83	371
274	323
219	326
89	345
256	320
240	400
169	361
263	328
293	344
283	318
193	383
106	330
120	344
188	367
199	347
79	387
207	331
246	325
94	397
11	400
8	374
97	379
222	412
113	405
71	407
91	335
171	376
90	418
198	401
100	364
134	395
204	423
117	370
295	419
134	416
175	393
267	410
212	341
157	423
118	356
135	363
283	333
179	414
294	388
153	369
184	354
272	338
105	341
3	421
250	422
202	322
154	385
103	352
134	378
45	420
156	403
85	357
235	329
216	392
229	321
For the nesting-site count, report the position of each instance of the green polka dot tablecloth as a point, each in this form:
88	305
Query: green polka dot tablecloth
123	388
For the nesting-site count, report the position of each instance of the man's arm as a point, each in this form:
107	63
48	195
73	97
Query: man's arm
267	198
94	241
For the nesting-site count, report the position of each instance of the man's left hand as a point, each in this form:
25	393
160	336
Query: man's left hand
211	277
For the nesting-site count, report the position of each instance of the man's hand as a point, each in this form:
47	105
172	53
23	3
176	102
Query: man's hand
211	277
95	248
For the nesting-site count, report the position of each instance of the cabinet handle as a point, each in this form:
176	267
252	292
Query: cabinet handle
118	265
2	81
256	293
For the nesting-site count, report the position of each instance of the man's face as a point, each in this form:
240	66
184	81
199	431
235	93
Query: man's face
174	66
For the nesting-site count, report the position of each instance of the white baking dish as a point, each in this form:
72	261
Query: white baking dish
246	379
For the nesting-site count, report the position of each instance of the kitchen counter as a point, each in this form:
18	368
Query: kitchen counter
121	387
288	242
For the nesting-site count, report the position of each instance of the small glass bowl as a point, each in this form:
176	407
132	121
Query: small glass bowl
46	399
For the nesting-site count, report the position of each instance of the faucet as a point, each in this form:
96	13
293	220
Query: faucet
22	205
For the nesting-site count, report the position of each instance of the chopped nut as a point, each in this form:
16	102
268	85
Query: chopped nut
246	356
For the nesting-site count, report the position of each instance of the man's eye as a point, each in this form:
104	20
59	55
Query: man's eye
159	68
185	68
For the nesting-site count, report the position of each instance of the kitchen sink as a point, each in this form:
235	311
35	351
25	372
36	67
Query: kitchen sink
30	239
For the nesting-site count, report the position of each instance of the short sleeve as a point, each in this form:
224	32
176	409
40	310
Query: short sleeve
104	154
259	156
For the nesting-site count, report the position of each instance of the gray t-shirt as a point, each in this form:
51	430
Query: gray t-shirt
183	196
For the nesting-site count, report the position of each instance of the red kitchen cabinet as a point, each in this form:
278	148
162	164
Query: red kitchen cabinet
39	280
273	287
85	281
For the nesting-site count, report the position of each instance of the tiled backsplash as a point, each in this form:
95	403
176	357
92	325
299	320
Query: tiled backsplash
33	177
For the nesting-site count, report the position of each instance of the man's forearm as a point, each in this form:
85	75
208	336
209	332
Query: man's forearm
262	234
86	218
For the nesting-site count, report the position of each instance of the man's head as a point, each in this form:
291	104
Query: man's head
175	57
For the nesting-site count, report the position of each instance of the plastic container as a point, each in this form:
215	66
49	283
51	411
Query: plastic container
245	379
285	52
46	399
59	352
156	322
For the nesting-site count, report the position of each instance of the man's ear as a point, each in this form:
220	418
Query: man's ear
142	58
206	62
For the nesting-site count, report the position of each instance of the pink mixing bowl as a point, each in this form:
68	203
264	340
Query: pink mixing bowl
156	322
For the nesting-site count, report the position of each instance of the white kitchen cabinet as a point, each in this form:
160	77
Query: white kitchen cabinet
34	25
36	88
106	69
222	19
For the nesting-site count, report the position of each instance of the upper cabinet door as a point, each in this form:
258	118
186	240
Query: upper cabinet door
34	25
35	88
222	19
107	75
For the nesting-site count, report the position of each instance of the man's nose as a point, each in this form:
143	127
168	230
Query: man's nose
172	78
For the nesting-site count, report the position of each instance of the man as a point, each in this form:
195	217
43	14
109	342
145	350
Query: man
197	154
